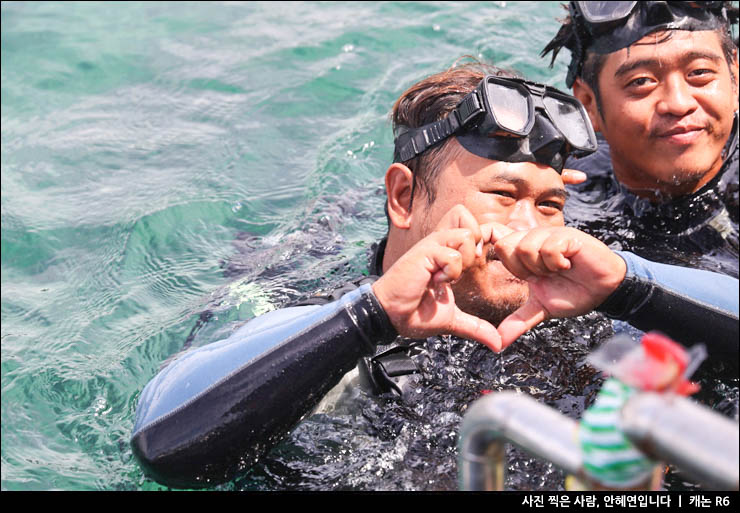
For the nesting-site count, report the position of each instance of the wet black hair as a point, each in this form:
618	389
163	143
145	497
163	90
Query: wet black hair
431	99
588	65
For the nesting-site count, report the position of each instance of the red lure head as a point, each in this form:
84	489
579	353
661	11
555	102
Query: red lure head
664	365
656	363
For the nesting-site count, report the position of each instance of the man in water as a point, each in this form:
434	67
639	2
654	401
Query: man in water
476	239
660	83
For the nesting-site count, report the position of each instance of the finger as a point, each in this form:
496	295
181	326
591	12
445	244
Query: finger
493	232
474	328
449	272
557	250
524	319
460	239
573	176
523	253
528	251
460	217
444	255
445	264
506	250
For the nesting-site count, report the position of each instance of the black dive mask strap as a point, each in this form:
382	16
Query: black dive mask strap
631	21
411	142
649	17
642	19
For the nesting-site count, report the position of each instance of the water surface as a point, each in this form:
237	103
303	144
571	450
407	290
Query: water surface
170	170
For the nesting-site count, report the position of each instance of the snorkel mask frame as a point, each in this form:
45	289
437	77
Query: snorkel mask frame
620	24
542	134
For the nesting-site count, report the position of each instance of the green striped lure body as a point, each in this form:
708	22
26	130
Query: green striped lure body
609	458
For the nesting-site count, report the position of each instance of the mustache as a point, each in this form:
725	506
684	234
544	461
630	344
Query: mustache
491	256
679	128
491	253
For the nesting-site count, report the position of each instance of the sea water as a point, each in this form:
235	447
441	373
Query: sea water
171	170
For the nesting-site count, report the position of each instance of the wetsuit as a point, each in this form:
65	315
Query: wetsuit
698	230
216	409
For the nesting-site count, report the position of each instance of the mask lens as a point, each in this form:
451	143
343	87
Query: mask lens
510	107
600	12
570	121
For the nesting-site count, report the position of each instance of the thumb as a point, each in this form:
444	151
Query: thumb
471	327
524	319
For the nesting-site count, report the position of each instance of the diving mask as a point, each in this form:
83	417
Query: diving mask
606	27
511	120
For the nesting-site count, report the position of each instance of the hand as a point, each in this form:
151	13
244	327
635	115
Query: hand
416	293
573	176
569	273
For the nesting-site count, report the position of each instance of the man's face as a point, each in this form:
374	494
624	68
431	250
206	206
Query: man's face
520	195
667	111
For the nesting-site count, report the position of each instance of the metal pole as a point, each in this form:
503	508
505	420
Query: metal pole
503	417
700	442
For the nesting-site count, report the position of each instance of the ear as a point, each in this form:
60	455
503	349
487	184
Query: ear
398	184
586	96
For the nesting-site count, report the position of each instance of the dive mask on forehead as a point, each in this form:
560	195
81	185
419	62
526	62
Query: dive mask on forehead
606	27
511	120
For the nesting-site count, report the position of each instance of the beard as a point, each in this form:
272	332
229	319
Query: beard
489	291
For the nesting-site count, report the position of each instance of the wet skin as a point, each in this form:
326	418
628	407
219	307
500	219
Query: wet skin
667	111
522	196
491	247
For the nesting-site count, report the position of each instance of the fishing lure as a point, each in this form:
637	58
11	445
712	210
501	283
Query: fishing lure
656	364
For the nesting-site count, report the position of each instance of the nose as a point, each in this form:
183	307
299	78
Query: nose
677	98
523	216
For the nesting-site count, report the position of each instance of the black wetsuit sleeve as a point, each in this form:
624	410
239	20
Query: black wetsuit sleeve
214	410
690	305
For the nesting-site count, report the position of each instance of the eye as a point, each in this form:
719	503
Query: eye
699	72
501	197
552	206
506	194
701	76
640	82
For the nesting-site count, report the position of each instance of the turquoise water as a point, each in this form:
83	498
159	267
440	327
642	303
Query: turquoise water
162	160
141	140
